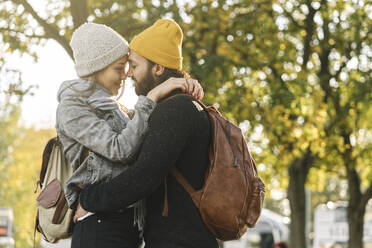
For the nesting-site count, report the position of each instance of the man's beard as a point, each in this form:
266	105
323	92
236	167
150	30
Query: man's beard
146	84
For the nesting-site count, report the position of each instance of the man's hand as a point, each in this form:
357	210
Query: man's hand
80	212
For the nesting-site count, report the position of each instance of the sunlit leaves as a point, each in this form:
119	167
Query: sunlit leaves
295	75
22	175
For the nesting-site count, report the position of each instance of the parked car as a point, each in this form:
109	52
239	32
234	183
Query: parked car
6	228
271	231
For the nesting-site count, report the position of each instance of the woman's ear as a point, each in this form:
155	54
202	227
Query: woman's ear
158	70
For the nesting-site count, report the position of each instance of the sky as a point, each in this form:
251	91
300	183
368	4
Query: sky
52	68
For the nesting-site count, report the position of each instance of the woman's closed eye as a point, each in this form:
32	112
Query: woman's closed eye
119	69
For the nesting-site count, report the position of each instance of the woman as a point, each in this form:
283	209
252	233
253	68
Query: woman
88	118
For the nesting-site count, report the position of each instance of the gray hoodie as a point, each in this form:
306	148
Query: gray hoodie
111	137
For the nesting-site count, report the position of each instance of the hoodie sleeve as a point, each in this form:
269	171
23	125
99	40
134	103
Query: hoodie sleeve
78	122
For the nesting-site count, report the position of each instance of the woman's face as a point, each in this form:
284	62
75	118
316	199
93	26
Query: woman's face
113	75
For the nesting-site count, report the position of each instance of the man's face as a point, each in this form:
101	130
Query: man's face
141	73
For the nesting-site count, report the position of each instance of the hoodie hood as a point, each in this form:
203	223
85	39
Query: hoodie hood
73	88
98	98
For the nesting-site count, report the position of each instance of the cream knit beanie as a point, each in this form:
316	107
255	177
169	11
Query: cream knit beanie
96	46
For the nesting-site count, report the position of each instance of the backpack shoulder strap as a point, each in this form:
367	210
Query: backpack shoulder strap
183	181
176	173
198	101
45	160
46	156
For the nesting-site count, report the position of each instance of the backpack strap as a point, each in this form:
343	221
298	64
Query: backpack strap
35	227
185	184
183	181
179	177
48	150
165	208
184	94
59	209
44	165
227	126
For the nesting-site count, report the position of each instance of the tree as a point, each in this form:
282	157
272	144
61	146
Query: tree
347	93
22	175
11	95
283	70
303	51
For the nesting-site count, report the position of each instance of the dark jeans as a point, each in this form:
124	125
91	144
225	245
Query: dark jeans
106	230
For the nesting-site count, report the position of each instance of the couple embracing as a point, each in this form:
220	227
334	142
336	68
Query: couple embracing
121	188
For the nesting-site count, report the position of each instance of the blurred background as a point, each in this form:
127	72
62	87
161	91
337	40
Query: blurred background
294	75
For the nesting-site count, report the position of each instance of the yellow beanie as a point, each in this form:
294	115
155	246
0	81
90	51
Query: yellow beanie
160	43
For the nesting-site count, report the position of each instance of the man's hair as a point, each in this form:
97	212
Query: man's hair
168	73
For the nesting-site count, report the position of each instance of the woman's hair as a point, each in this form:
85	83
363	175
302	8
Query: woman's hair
93	84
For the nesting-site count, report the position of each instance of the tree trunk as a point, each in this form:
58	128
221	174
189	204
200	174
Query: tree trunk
79	12
355	210
296	195
298	172
357	200
356	224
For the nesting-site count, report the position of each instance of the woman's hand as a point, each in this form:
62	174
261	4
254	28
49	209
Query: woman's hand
194	88
80	212
190	86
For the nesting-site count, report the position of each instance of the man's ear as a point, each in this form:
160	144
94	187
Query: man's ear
158	70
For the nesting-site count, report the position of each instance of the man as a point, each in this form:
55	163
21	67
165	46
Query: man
178	137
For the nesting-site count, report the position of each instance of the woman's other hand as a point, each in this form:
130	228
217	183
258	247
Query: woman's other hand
190	86
194	88
80	212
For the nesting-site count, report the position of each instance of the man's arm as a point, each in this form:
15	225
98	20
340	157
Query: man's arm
171	126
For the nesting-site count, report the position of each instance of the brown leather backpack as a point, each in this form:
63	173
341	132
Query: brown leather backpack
232	196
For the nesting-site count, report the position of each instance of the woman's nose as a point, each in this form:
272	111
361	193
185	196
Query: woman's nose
124	76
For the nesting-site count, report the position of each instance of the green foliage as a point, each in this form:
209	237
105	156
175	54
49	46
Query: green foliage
295	75
12	92
8	125
22	174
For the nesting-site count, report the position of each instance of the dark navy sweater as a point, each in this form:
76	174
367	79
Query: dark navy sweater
178	136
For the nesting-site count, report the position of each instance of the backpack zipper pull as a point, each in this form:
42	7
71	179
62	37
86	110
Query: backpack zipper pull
235	161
